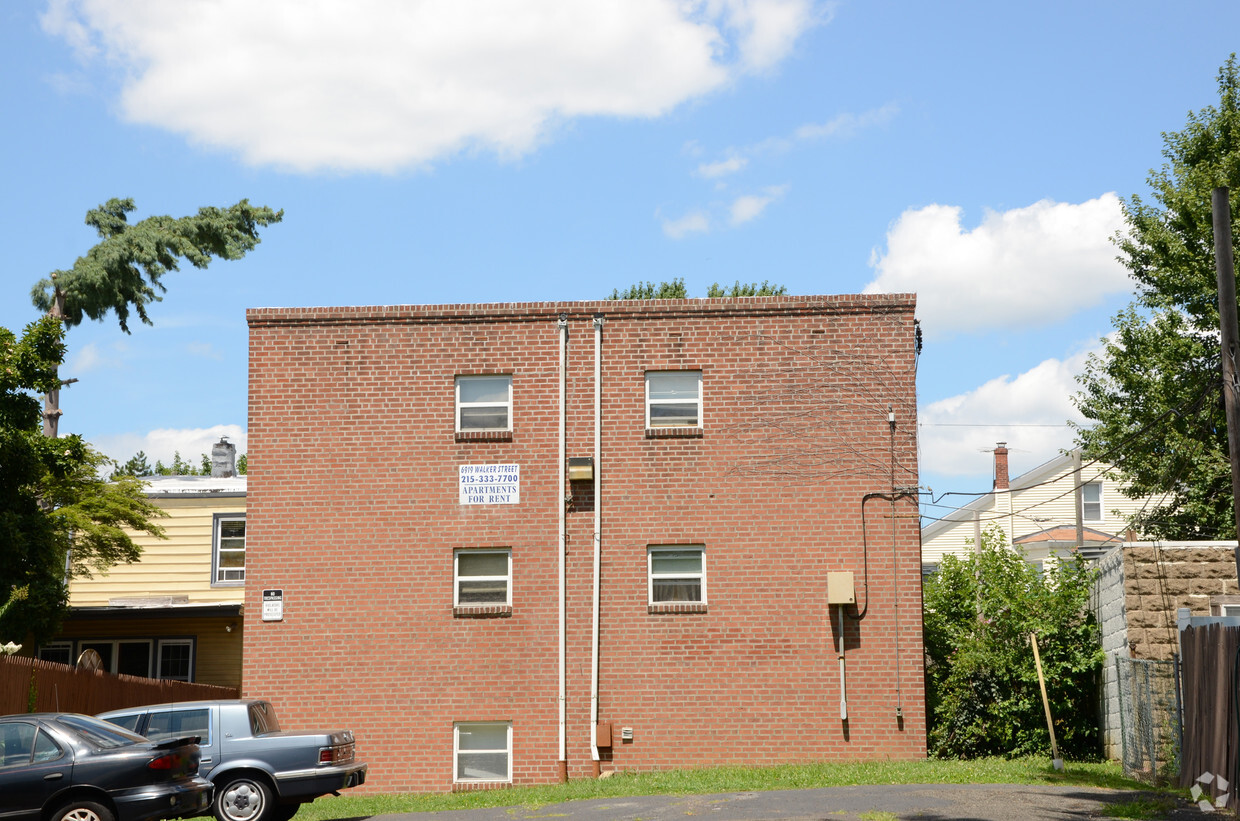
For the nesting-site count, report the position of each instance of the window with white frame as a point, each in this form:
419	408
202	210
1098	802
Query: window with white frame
484	403
677	574
60	652
228	553
1091	501
673	399
176	659
131	657
482	577
482	751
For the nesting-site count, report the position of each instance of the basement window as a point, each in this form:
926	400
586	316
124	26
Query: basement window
483	752
673	399
483	403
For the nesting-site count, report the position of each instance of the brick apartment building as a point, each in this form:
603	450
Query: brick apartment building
517	542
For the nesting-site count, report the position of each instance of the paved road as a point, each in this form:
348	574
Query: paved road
923	802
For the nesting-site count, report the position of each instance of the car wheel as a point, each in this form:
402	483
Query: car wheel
243	799
83	811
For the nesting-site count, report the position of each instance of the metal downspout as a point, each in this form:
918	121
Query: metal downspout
598	536
563	540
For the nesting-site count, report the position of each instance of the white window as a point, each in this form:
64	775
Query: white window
483	751
483	577
228	556
130	657
60	652
677	574
1091	501
673	399
176	659
483	403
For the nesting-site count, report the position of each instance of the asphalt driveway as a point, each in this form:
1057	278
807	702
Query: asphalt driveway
925	802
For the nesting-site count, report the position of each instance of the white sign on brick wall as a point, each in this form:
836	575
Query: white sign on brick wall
490	484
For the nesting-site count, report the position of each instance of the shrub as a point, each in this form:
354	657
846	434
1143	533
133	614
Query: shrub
981	683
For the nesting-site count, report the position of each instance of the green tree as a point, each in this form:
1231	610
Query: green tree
648	290
124	271
676	290
58	519
135	466
982	689
747	289
1153	394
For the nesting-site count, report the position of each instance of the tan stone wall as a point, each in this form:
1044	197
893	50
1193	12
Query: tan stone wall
1158	581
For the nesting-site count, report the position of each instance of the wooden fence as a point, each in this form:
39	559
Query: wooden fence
1208	666
61	688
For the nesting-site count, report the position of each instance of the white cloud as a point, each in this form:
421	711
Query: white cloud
95	357
1019	268
751	206
848	124
204	350
956	434
380	85
695	222
722	168
164	443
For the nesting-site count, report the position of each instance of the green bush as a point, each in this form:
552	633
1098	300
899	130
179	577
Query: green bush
981	683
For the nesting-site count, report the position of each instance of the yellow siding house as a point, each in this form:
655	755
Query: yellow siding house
1048	511
175	613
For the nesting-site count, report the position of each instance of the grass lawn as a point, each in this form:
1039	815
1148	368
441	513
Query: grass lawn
733	779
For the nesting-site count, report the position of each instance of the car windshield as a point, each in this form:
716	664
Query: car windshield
97	732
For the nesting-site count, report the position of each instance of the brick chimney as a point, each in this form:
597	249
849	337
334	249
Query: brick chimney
1001	466
223	459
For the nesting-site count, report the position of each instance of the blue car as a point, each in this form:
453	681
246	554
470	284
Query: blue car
69	767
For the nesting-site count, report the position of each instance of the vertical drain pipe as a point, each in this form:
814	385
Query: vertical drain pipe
598	536
563	539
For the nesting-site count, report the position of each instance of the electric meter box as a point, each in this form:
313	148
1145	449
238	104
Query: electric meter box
840	587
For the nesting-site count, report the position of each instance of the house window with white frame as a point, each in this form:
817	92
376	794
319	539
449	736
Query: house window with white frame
175	659
1091	501
482	751
228	550
673	399
677	574
482	577
484	403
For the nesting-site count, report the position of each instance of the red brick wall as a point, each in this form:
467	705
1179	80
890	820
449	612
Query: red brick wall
354	514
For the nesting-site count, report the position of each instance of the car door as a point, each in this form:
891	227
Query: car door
32	767
180	722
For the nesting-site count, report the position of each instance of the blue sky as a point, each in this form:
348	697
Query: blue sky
454	151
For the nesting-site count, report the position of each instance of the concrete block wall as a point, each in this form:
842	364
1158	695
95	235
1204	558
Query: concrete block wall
354	514
1110	602
1160	579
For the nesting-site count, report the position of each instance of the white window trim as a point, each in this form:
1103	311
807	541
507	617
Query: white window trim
456	752
651	576
115	662
217	520
507	405
160	644
456	578
56	645
701	410
1101	507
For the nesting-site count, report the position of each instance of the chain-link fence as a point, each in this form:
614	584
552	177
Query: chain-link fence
1149	717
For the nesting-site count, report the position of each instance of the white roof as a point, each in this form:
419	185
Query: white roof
194	485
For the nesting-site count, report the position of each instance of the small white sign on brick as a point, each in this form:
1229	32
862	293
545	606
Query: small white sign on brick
490	484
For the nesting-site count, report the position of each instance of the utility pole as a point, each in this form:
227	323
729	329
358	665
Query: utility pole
1228	328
